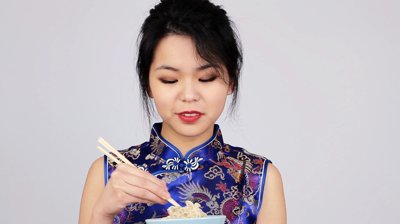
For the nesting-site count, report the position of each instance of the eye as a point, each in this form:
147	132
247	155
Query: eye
168	81
212	78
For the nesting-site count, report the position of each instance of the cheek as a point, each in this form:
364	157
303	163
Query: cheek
162	101
217	98
157	92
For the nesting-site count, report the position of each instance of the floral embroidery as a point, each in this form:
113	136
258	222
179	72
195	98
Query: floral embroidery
188	165
143	167
192	164
172	164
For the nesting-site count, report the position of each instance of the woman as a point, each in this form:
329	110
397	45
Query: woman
189	62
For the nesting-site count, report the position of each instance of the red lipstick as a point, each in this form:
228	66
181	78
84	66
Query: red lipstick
190	116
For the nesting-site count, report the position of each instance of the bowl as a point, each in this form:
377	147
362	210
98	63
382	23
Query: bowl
211	219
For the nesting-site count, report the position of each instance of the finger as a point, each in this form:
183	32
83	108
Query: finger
151	177
125	192
143	174
144	183
142	195
122	177
127	198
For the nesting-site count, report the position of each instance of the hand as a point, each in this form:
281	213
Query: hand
126	185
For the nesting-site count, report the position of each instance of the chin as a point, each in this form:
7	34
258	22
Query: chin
192	129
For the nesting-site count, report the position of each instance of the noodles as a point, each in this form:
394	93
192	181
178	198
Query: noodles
189	211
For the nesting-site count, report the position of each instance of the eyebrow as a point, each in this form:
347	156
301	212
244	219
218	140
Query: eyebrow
200	68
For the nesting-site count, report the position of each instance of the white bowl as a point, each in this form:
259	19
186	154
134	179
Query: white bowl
211	219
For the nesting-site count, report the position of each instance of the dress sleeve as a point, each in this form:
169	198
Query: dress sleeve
262	184
105	169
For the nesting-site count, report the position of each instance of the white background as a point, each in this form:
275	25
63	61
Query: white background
319	97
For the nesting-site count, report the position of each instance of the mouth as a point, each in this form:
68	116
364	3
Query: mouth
190	116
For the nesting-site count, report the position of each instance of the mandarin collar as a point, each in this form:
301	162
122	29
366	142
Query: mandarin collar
172	157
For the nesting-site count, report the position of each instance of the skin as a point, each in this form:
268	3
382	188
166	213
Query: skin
179	81
192	84
273	208
127	185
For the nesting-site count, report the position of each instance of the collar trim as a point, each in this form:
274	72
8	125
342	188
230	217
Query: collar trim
157	127
178	162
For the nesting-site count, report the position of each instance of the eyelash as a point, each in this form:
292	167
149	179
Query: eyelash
212	78
201	80
168	81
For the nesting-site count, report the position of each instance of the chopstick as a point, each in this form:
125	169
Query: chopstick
121	159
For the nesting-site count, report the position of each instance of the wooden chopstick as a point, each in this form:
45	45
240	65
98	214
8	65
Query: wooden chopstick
109	155
113	150
123	159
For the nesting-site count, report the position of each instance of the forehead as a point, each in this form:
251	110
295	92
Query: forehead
178	51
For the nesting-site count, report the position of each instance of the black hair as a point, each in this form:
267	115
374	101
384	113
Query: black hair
210	29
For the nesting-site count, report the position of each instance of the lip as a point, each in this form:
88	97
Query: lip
194	116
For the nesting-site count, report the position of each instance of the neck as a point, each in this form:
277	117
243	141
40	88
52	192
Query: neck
185	142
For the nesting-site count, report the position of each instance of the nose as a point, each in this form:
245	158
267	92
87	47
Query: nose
189	92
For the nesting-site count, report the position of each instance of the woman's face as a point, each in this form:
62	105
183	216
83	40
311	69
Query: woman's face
188	92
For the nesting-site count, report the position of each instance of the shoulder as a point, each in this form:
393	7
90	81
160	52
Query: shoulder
95	173
274	177
136	154
133	152
137	151
240	153
96	168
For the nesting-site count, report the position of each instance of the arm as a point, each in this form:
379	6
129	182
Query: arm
273	208
127	184
93	187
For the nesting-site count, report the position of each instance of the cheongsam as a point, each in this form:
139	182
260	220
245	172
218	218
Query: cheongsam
223	179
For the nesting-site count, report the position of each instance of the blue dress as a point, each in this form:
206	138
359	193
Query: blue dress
223	179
